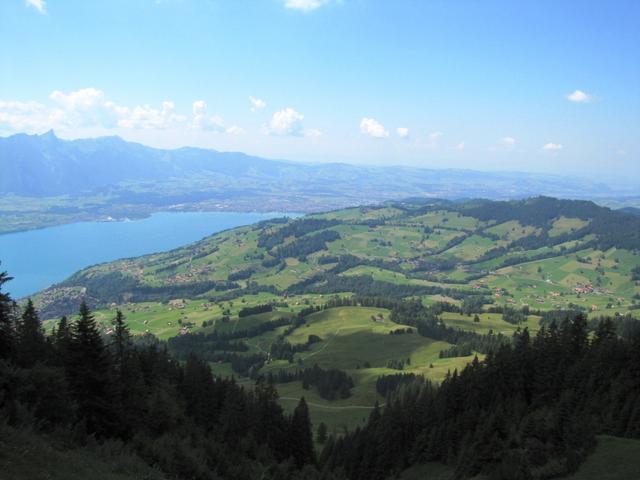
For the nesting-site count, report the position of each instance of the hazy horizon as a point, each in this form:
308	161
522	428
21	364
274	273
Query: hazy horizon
625	183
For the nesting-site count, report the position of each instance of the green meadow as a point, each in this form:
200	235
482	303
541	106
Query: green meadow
437	253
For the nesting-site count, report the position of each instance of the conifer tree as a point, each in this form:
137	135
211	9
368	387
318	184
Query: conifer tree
322	433
6	323
121	342
233	416
88	369
301	437
31	346
605	332
61	339
268	424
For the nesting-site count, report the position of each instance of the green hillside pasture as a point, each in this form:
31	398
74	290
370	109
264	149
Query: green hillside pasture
235	323
230	251
562	274
495	263
512	230
381	275
439	238
431	299
359	214
352	340
377	213
223	369
449	219
488	321
339	415
372	242
473	247
353	411
566	225
398	278
294	272
555	250
163	319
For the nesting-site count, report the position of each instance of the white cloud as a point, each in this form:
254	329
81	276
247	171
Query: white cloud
287	122
257	104
145	117
235	130
304	5
312	132
433	140
83	99
23	116
459	146
578	96
203	121
373	128
90	107
504	144
199	107
403	132
552	147
435	136
87	107
39	5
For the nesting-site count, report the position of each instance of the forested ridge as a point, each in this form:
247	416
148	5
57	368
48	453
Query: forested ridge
530	410
137	400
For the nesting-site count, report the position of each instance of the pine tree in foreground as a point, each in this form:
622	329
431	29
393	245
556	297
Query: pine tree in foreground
31	344
300	436
89	371
6	324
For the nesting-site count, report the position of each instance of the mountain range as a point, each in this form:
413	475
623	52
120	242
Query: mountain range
46	165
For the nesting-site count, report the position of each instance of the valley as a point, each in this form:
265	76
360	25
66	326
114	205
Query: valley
48	181
319	240
284	295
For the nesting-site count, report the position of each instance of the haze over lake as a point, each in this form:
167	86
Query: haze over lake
39	258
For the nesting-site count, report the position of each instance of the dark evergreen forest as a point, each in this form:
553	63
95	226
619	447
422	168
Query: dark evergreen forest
530	410
173	414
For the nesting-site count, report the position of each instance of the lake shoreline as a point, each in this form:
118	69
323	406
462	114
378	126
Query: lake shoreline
40	258
138	215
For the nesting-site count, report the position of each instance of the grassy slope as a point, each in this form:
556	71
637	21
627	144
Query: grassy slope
350	340
488	322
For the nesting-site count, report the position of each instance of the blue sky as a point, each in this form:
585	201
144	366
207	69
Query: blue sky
534	85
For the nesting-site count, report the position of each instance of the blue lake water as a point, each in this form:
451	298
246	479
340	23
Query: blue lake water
39	258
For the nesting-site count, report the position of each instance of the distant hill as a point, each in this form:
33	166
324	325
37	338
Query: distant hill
536	252
631	210
45	165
